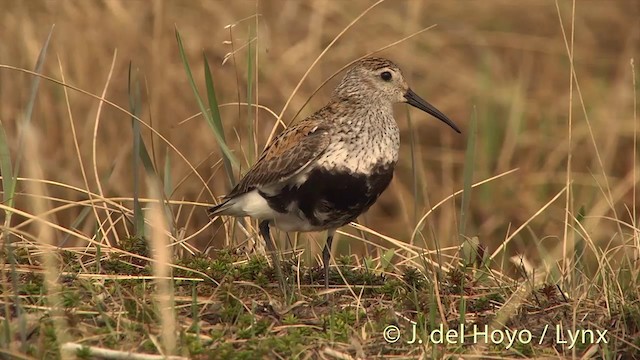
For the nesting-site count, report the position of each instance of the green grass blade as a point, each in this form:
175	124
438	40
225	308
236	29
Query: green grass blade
33	93
251	153
135	102
77	222
147	163
433	307
99	238
167	181
385	259
8	191
467	176
143	157
134	108
8	181
580	244
216	120
35	84
219	138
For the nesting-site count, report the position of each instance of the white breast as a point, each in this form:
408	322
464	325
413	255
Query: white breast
360	151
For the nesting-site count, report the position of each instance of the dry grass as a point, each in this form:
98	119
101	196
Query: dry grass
550	85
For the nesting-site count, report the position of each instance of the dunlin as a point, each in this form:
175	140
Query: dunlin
329	168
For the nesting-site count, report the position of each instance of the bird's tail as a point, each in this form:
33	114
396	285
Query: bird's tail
219	209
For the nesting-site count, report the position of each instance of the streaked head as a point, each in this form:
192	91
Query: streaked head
380	80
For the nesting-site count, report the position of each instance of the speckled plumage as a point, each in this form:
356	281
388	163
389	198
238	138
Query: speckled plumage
329	168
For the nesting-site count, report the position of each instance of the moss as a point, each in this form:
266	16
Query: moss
149	346
231	310
21	255
32	284
392	288
253	269
199	262
140	311
341	323
71	261
290	345
118	265
49	343
413	278
631	317
289	319
457	282
84	353
194	344
355	276
220	269
523	349
345	260
71	297
261	332
135	245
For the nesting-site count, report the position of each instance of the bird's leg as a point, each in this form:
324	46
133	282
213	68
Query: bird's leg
326	256
271	246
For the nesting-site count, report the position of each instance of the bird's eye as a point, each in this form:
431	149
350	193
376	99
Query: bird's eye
385	75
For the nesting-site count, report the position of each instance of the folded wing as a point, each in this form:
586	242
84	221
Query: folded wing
287	155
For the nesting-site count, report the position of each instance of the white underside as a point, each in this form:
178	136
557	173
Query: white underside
252	204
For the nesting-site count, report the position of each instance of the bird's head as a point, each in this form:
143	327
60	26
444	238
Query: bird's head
380	80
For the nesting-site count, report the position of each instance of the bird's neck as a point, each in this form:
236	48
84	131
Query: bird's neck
363	107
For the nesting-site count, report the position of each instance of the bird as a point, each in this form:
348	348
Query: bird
326	170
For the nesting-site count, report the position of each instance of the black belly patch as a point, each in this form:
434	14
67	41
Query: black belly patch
340	196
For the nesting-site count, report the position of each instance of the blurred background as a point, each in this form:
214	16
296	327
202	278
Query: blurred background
503	63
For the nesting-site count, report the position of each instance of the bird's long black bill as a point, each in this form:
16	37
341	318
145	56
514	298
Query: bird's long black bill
414	100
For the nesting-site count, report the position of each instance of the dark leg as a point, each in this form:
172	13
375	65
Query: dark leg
326	256
271	246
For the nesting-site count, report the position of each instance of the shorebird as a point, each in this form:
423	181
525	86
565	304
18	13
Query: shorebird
323	172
